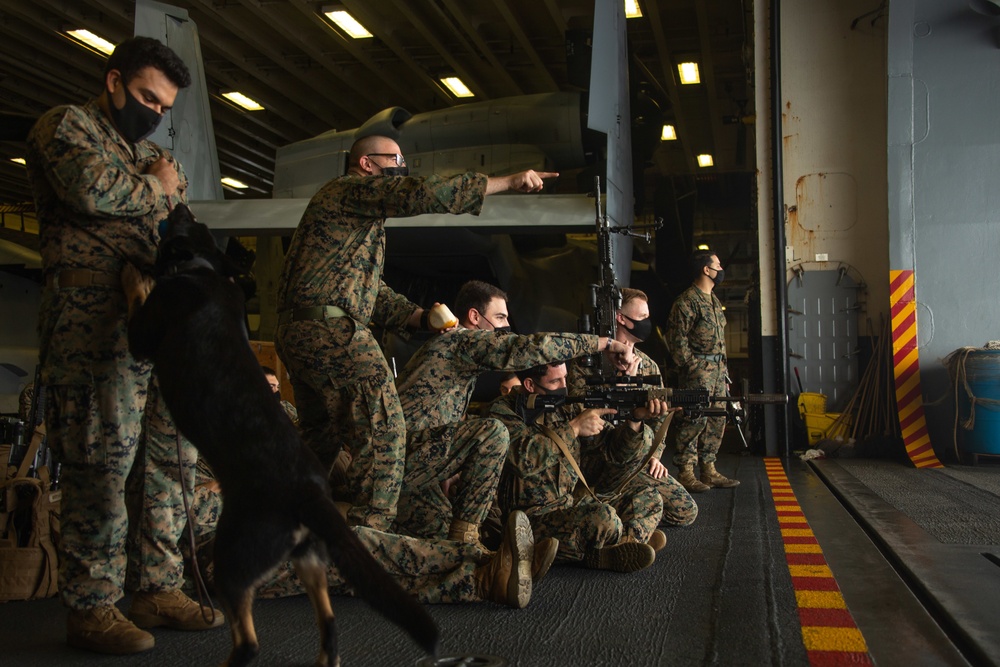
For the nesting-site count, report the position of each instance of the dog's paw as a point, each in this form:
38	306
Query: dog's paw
136	286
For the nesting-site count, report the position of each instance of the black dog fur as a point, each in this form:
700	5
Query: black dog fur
277	500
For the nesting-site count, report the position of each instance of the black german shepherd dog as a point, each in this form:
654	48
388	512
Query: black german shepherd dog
277	502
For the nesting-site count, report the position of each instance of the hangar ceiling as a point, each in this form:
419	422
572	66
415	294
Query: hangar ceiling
311	78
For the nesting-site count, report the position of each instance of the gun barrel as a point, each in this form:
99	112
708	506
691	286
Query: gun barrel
754	399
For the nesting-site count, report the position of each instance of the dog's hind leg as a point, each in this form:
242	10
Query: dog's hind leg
239	611
311	570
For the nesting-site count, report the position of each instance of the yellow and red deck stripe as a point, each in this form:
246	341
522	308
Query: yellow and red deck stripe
906	368
829	633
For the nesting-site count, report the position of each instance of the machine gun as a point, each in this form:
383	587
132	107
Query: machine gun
628	393
605	295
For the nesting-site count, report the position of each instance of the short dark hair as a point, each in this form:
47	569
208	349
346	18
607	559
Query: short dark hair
137	53
700	259
536	373
476	294
268	371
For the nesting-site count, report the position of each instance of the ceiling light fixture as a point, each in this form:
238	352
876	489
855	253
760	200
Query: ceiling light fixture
348	24
703	246
93	41
233	183
19	160
241	100
689	73
632	9
457	87
669	133
705	160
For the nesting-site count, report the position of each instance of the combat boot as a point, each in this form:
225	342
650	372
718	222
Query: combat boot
712	477
172	609
545	554
689	481
630	556
506	578
105	630
657	540
464	531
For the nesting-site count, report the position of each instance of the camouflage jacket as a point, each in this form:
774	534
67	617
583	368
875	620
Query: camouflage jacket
437	383
697	325
96	210
338	249
544	479
577	375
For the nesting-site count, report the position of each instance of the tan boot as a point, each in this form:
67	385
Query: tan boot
689	481
711	477
545	554
506	578
622	557
464	531
105	630
172	609
657	540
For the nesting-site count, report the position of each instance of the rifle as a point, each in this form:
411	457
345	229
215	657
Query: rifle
605	295
627	394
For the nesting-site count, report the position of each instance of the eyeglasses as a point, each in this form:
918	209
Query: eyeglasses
397	158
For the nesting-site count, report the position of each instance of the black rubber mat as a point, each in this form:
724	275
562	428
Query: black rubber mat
718	594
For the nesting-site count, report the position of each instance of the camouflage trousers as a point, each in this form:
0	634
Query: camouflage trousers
474	449
594	523
433	571
346	397
679	508
94	431
698	440
156	517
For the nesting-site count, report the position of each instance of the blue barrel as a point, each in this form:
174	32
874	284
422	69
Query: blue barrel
982	373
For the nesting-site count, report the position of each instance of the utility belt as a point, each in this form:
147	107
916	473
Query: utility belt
711	357
313	313
82	278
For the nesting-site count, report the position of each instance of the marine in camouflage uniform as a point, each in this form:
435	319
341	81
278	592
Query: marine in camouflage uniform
697	342
607	532
435	388
100	195
634	326
331	289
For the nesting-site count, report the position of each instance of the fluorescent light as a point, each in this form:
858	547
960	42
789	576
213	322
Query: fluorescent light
705	160
632	10
689	72
669	133
233	183
703	246
19	160
242	100
457	87
348	24
92	40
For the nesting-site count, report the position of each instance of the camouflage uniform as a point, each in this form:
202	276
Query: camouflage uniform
434	389
344	389
697	341
679	508
433	571
97	211
544	485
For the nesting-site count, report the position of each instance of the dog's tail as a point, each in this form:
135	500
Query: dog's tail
369	580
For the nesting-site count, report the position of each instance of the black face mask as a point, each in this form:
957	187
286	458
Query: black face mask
500	330
395	171
720	275
561	391
640	328
135	121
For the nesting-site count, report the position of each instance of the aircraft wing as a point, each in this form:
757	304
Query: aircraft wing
508	213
